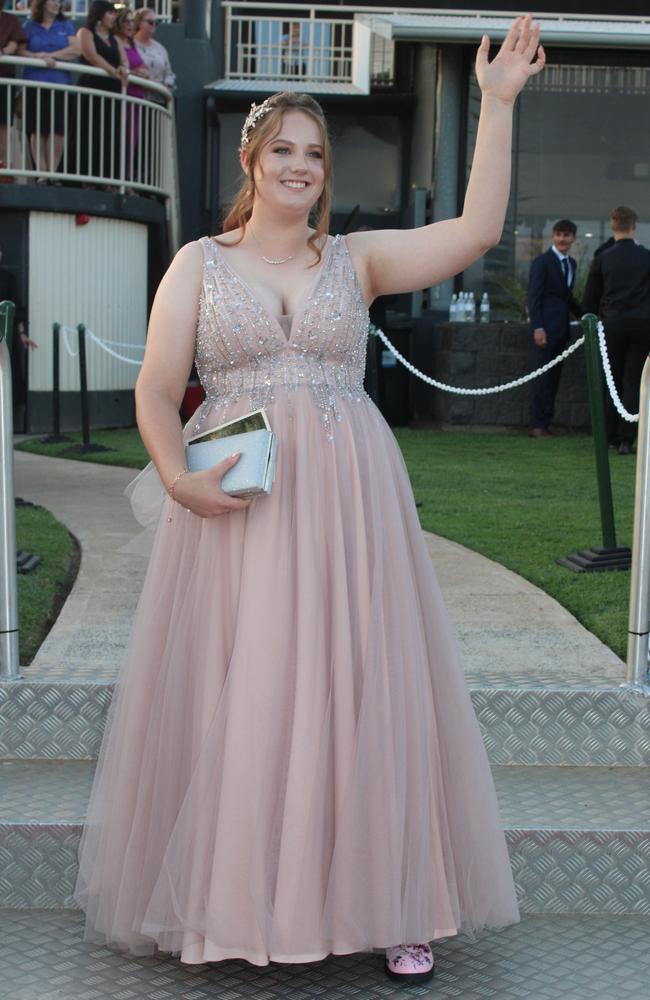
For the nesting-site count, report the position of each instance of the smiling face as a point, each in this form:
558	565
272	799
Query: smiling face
563	241
290	173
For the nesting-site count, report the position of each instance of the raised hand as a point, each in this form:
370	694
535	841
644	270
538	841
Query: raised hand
520	57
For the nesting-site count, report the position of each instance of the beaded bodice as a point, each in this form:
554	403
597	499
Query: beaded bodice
241	349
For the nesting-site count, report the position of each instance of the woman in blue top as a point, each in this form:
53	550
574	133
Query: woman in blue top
50	37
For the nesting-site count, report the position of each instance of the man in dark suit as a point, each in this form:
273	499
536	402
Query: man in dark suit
550	300
618	290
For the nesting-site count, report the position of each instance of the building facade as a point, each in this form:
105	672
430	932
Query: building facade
407	103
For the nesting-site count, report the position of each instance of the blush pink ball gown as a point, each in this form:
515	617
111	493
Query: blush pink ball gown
292	766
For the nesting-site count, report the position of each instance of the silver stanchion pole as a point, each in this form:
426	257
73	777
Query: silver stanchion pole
9	662
639	622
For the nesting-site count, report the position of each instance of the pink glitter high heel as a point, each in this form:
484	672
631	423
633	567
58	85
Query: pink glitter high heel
409	963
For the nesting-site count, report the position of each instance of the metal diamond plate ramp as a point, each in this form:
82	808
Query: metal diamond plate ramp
43	957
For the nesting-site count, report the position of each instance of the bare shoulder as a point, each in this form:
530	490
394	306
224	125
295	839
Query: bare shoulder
189	258
186	269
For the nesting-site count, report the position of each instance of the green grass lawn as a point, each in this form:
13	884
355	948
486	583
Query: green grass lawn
523	503
125	446
42	592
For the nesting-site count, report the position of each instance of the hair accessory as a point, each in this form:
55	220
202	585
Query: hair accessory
256	112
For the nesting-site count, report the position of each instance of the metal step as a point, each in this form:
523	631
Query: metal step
557	725
52	719
43	957
579	838
64	718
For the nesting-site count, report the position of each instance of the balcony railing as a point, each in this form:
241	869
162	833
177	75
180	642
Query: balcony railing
79	8
301	42
91	137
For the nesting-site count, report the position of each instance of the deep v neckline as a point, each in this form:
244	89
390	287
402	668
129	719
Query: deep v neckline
298	315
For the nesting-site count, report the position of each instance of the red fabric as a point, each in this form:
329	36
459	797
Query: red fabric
194	396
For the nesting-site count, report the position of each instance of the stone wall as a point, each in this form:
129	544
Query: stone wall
486	354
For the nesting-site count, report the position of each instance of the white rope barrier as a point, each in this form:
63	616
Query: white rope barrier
65	330
459	391
109	350
127	347
66	342
632	418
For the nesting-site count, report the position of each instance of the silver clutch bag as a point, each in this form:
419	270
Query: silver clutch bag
252	436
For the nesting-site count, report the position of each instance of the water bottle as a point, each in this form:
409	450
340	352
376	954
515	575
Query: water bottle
485	308
453	309
462	307
472	308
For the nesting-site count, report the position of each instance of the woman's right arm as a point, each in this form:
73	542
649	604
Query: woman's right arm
161	385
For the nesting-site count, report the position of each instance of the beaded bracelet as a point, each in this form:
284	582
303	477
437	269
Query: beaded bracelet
174	481
172	487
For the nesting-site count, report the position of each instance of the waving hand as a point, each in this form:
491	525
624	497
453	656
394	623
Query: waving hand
520	57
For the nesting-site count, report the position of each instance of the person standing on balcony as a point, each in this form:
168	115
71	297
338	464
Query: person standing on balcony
100	140
11	37
52	38
154	55
292	767
294	52
124	30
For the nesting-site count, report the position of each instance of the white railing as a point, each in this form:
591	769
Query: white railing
93	137
79	8
298	42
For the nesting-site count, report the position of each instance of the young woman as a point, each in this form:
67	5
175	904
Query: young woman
292	766
124	29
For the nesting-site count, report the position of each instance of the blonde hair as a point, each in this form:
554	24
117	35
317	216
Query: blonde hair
265	128
139	15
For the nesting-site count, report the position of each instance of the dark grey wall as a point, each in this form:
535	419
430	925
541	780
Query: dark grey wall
194	60
474	355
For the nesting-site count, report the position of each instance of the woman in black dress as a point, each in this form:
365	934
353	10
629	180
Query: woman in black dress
99	125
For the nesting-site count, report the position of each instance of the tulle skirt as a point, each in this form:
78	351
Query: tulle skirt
292	766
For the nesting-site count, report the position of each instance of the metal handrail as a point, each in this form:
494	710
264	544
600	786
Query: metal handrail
144	127
638	677
256	47
9	659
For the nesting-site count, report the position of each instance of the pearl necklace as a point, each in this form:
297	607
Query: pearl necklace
269	260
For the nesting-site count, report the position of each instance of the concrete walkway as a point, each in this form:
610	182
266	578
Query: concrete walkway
510	633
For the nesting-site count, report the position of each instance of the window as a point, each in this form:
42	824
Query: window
579	150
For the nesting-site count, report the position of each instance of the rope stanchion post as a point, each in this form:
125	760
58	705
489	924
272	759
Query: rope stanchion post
609	556
56	437
86	446
9	658
638	676
83	386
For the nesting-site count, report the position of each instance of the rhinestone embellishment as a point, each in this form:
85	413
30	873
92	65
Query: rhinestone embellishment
324	353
